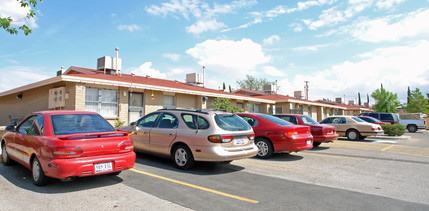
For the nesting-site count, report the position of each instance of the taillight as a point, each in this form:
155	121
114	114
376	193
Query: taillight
252	136
291	132
219	139
66	152
126	146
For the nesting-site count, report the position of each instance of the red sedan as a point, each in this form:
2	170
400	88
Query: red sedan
67	144
373	120
277	135
321	133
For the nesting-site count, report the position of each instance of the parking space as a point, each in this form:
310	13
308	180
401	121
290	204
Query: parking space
371	174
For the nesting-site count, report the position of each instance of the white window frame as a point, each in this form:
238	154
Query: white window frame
101	105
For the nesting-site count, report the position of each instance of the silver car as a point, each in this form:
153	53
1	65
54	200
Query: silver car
187	135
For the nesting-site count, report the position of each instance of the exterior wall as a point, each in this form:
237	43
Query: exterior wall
80	97
123	105
186	101
155	104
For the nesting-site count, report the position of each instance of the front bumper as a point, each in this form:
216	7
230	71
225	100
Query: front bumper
325	138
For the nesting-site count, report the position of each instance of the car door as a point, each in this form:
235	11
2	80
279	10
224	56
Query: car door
163	134
26	139
141	136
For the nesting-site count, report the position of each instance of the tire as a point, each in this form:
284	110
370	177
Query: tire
5	157
412	128
362	137
39	177
182	157
265	146
316	144
353	135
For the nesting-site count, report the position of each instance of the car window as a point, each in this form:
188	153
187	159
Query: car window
191	119
375	115
252	121
308	120
231	122
148	120
64	124
275	120
290	119
167	121
327	121
343	120
357	119
386	117
27	126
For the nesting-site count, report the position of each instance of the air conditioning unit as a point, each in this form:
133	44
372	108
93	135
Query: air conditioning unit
57	97
297	94
109	63
194	78
269	88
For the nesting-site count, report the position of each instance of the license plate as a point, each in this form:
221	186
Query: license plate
240	141
101	167
309	142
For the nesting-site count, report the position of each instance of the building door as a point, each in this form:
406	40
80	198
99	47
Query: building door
135	106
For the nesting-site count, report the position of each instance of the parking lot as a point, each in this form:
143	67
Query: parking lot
375	174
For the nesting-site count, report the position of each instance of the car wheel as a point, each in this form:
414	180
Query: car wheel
183	158
266	149
353	135
316	144
39	177
412	128
362	137
4	156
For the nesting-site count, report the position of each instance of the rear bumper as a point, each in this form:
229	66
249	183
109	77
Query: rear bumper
325	138
293	144
82	167
219	153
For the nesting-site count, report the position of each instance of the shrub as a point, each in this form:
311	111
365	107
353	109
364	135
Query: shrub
118	123
393	130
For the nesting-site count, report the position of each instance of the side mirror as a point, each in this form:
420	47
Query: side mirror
133	124
10	128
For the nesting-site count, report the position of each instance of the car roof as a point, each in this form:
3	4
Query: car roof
54	112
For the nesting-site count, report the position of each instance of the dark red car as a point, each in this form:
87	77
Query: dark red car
373	120
321	133
67	144
273	134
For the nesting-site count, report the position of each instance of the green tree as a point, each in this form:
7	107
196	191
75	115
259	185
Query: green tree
253	83
360	102
408	95
224	87
385	101
417	103
230	89
5	22
224	104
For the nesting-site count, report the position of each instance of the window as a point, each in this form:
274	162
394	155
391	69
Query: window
290	119
168	121
231	122
308	120
309	111
148	121
240	105
386	117
279	109
169	101
297	109
275	120
191	121
327	121
102	101
28	127
254	108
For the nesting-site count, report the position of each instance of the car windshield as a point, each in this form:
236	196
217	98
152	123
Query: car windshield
275	120
308	120
231	122
357	119
65	124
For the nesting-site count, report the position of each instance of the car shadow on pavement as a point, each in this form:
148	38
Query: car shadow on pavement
319	148
282	157
200	168
21	177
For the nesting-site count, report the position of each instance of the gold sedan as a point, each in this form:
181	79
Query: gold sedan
353	127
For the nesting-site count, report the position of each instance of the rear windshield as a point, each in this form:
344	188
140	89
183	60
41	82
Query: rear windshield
357	119
231	122
275	120
65	124
308	120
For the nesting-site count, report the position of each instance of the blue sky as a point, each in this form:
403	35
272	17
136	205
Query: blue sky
341	46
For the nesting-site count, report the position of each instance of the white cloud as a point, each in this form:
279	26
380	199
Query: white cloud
21	76
130	28
270	40
146	69
387	4
310	47
203	26
273	71
172	56
230	58
13	9
184	8
395	67
391	28
296	27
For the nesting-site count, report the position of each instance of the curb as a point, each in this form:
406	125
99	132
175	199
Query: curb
392	137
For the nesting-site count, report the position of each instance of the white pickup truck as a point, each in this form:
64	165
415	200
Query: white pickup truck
413	125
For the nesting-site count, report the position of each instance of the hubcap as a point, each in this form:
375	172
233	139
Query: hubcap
263	148
181	157
4	154
352	135
36	170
